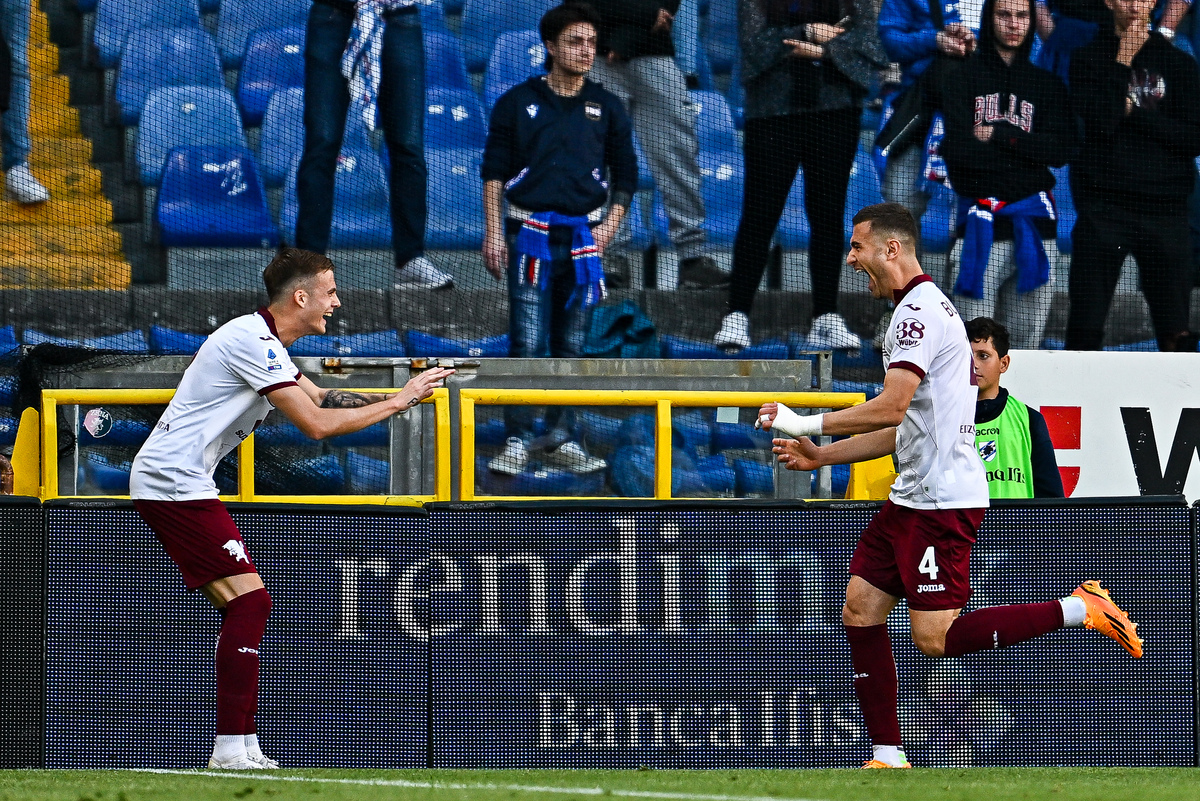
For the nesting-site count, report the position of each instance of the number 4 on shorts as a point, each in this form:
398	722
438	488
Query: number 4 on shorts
928	564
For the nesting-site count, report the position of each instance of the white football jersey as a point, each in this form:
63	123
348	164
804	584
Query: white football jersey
935	444
219	402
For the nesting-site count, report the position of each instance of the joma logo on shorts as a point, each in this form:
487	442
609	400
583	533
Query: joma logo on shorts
931	588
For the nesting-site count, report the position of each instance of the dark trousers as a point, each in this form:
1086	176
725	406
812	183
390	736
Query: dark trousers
823	144
1159	239
401	115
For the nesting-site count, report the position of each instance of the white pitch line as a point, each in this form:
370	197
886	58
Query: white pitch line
520	788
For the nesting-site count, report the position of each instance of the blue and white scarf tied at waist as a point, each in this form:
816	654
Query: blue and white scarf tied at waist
1033	266
533	248
362	63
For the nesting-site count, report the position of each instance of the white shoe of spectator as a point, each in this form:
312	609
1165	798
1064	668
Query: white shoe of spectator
829	332
734	333
573	457
24	187
423	274
512	459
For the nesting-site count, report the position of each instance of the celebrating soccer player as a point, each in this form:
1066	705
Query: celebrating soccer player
918	546
240	373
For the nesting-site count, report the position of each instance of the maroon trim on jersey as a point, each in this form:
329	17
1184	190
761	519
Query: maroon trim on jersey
298	374
912	368
280	385
270	318
898	294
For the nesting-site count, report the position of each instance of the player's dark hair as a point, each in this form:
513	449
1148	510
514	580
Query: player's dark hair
290	267
559	18
981	329
890	220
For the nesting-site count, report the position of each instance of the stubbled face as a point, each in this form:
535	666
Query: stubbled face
988	365
575	49
1011	23
319	301
869	255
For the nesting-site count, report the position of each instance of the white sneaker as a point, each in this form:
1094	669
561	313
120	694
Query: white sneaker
24	187
424	274
263	761
829	332
239	762
573	457
734	333
512	460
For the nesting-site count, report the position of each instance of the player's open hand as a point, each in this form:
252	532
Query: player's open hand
797	454
766	416
422	385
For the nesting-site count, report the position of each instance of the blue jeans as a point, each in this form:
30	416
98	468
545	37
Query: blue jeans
540	324
401	115
14	138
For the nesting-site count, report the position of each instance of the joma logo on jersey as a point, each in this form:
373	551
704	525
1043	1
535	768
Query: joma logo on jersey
931	588
237	551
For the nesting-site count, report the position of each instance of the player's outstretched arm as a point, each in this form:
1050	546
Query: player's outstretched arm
321	422
885	410
804	454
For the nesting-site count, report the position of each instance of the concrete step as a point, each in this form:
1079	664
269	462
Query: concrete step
21	241
49	271
58	211
60	152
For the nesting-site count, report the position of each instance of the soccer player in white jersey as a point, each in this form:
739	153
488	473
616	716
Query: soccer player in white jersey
918	546
239	374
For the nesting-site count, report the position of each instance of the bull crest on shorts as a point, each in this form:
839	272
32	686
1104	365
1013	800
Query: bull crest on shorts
237	551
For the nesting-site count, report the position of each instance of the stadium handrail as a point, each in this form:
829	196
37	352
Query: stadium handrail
868	480
53	398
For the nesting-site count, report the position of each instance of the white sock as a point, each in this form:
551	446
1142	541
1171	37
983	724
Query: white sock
229	746
889	754
1074	611
252	747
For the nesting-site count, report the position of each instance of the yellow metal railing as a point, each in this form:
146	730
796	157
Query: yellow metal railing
53	398
865	481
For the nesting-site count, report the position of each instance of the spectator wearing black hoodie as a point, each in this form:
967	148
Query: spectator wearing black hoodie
1136	95
1007	123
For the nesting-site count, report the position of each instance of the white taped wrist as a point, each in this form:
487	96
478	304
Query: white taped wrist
795	425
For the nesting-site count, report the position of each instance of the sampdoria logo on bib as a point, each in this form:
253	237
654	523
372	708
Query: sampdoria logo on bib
592	110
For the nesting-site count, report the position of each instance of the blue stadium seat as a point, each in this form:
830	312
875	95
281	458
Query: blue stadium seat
274	62
714	122
116	19
455	198
484	20
8	341
793	232
184	115
721	181
679	348
639	232
937	224
361	216
737	96
433	15
453	119
445	66
128	341
366	476
721	35
169	342
104	476
282	135
211	196
518	55
157	57
239	18
753	478
377	344
645	177
419	343
863	189
1066	207
32	336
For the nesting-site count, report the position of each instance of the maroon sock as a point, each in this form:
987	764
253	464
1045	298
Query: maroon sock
237	660
875	681
1002	626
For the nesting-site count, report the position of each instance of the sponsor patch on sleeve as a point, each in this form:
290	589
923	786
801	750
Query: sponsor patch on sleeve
271	354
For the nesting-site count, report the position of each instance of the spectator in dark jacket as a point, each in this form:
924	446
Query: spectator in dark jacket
1007	123
551	142
1137	98
637	64
807	67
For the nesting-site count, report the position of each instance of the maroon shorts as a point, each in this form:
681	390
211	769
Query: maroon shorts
200	537
921	555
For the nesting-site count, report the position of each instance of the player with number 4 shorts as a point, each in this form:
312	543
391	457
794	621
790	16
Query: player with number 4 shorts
918	547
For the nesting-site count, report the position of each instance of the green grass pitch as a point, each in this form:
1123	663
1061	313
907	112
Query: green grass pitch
974	784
